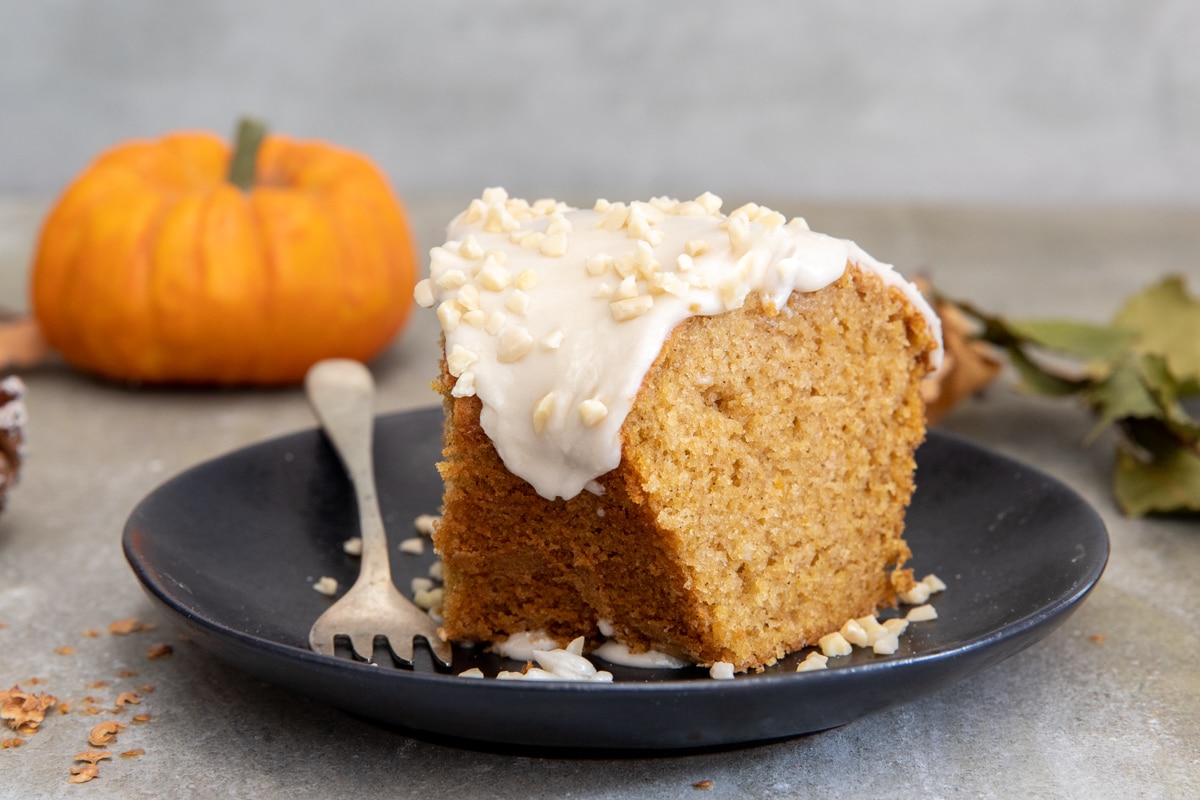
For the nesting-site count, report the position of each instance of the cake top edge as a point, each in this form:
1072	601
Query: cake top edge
553	315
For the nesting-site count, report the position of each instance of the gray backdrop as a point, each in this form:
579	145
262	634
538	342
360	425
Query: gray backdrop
977	101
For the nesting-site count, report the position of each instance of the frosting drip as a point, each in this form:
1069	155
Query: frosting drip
552	315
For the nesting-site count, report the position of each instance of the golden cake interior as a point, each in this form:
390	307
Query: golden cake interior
766	467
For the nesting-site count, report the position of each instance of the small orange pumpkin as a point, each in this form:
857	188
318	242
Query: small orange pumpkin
173	261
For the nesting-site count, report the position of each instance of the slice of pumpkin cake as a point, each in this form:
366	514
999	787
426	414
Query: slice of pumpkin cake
687	431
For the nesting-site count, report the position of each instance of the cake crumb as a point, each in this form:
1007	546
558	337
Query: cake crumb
702	785
134	753
1097	638
326	585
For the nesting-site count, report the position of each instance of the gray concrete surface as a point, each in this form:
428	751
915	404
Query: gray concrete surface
1021	101
1071	717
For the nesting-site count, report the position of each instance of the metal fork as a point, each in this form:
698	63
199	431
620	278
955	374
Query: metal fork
341	393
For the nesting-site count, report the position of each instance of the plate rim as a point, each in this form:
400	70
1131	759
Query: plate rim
1021	631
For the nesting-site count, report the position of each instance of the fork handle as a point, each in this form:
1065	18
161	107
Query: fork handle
342	395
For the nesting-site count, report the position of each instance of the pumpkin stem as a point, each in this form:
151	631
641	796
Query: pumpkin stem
250	133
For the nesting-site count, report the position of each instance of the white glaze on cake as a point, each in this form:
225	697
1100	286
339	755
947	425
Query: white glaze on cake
553	315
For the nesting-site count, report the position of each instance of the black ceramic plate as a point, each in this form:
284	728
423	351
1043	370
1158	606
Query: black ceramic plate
230	549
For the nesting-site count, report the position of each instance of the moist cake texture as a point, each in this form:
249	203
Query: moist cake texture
688	431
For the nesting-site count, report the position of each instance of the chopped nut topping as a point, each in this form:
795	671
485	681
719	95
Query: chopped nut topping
552	340
423	293
542	411
428	599
835	644
420	585
670	283
475	318
413	546
696	247
470	248
592	412
921	613
631	307
494	322
934	583
473	672
853	633
468	297
627	288
814	660
352	546
326	585
897	626
464	386
493	277
616	217
499	220
450	315
460	359
917	595
739	233
475	210
526	280
426	524
515	343
886	645
517	302
684	263
451	279
721	671
733	293
530	240
710	202
602	291
494	194
598	264
798	222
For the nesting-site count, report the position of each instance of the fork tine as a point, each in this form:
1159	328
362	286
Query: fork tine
363	644
322	646
402	648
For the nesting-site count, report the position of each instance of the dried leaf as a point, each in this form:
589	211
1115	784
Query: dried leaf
1138	373
1167	321
1169	482
1079	339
